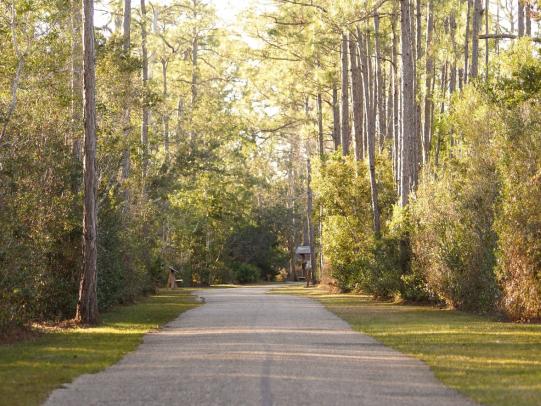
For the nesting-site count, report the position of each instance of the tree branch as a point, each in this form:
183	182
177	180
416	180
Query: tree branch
506	36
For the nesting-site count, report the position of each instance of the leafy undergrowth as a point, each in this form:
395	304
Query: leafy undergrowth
31	369
492	362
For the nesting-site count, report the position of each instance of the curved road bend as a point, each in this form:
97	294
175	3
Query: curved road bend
245	347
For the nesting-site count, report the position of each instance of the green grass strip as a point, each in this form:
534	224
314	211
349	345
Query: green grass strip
493	362
30	370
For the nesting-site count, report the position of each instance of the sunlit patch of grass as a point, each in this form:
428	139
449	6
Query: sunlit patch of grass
30	370
494	362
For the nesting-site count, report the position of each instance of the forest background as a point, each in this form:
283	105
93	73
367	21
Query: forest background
399	139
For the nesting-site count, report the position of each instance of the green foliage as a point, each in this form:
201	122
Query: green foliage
203	195
476	224
358	259
245	273
256	245
518	146
453	241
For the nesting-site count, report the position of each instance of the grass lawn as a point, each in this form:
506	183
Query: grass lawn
30	370
493	362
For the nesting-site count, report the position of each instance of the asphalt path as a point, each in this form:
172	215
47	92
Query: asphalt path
247	347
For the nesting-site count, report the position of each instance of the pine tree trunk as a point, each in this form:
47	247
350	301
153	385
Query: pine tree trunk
126	42
291	207
87	304
146	110
76	77
320	134
345	133
336	117
380	84
126	26
195	56
487	5
195	68
520	19
528	17
453	76
370	98
396	96
429	68
467	44
417	32
356	95
476	27
408	138
311	277
443	89
180	113
166	113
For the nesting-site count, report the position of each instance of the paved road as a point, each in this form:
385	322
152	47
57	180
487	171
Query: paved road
244	347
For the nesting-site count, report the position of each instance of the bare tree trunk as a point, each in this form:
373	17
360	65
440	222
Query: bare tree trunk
380	85
356	95
389	124
429	68
180	113
195	67
345	133
442	110
195	55
321	253
498	25
87	304
320	134
396	96
476	26
511	17
520	11
76	77
528	17
417	31
166	112
453	27
146	110
408	139
487	4
336	117
126	26
467	43
370	99
126	44
364	129
291	240
311	276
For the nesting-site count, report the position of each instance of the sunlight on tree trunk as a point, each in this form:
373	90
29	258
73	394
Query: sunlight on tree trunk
87	305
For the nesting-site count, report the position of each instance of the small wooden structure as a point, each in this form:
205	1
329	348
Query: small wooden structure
172	279
303	254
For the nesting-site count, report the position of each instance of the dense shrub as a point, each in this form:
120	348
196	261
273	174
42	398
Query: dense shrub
357	259
485	203
40	238
518	93
453	240
246	273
